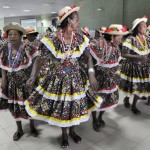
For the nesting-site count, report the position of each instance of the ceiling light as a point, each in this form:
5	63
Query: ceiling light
46	4
26	10
5	6
53	12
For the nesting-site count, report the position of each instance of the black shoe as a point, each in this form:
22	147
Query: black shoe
96	126
17	135
101	123
135	111
76	138
34	133
126	104
143	98
64	143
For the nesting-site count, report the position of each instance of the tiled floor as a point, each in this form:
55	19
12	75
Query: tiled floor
123	131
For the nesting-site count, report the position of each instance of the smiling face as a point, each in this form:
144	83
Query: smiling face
74	22
142	28
14	36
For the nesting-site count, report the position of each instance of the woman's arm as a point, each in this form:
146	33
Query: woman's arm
91	71
135	57
35	71
3	84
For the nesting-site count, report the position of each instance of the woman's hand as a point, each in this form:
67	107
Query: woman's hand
93	82
30	82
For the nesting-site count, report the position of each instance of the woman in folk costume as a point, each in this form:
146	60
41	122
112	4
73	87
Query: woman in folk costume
16	60
63	97
107	54
135	68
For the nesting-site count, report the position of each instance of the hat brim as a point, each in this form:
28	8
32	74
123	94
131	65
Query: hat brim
84	31
14	27
101	31
117	33
68	13
140	20
32	32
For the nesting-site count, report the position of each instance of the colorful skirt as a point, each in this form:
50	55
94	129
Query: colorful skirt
63	97
135	78
108	87
13	99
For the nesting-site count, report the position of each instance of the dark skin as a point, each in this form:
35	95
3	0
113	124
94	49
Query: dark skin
98	122
73	25
31	37
15	39
142	28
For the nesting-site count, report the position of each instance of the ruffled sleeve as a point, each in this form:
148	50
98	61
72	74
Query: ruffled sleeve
56	48
132	46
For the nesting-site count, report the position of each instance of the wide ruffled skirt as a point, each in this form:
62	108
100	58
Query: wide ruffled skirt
63	97
135	78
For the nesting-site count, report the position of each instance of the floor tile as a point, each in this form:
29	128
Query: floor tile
116	142
4	138
9	146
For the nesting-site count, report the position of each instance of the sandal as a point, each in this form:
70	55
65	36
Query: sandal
64	143
143	98
76	138
135	111
17	135
126	104
96	126
101	123
34	133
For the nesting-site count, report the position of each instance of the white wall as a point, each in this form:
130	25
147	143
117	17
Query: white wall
45	21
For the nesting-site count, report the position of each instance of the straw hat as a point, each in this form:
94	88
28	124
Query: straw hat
102	29
14	26
137	21
85	30
116	29
30	30
66	11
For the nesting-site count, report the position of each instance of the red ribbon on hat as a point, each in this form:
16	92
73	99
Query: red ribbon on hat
145	17
124	29
68	11
30	30
109	30
85	31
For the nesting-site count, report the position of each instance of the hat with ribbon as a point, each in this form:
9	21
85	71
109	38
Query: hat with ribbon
31	30
116	29
102	29
65	12
85	30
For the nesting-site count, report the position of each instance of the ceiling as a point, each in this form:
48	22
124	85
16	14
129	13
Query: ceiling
31	7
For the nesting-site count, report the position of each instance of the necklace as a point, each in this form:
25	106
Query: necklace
144	46
67	47
13	63
106	52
